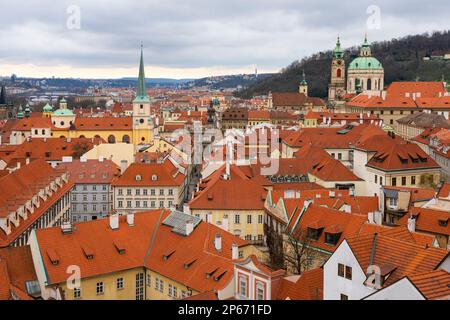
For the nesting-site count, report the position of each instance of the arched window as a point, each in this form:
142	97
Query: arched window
126	138
369	84
111	139
82	137
339	73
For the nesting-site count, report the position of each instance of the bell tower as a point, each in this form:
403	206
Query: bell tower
303	87
336	88
142	121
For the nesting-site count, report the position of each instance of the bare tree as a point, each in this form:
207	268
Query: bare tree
298	253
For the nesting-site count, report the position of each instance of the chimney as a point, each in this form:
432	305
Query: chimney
123	166
27	161
371	218
234	251
412	224
66	227
189	227
18	165
114	221
225	224
218	242
130	219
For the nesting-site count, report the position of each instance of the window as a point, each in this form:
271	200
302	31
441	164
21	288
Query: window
394	182
145	192
243	286
128	192
237	218
128	204
120	204
161	204
119	283
376	179
140	286
260	219
413	180
403	181
77	293
339	156
393	202
170	290
248	237
260	292
381	181
161	192
348	272
152	204
99	288
341	270
170	192
149	280
138	204
138	192
152	192
145	204
344	297
120	192
249	219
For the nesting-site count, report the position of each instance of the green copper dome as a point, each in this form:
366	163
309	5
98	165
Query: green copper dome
338	53
47	108
63	112
365	63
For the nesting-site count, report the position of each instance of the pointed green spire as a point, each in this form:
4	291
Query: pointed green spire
304	83
141	95
366	43
20	112
338	53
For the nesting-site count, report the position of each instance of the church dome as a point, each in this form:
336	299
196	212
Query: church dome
365	63
63	113
48	108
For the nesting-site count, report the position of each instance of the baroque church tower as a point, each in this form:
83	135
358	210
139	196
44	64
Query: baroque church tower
336	88
142	121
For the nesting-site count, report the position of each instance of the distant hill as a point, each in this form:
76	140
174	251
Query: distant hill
402	60
228	81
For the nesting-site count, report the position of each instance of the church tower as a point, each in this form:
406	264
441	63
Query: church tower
142	121
303	87
336	88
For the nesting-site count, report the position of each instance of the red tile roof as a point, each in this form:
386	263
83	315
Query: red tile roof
238	193
401	156
307	286
426	89
151	174
16	268
91	171
434	285
103	123
196	250
406	258
429	220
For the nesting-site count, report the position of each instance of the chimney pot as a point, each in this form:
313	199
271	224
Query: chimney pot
130	219
114	221
218	242
234	251
189	227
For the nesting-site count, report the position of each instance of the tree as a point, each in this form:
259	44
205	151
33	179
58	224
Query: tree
298	253
80	148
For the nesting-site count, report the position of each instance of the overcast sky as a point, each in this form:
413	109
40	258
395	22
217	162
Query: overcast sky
194	38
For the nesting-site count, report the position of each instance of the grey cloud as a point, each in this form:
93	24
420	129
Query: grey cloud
200	33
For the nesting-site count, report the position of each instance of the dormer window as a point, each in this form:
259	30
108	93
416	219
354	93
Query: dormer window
443	223
138	177
332	238
314	232
154	177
